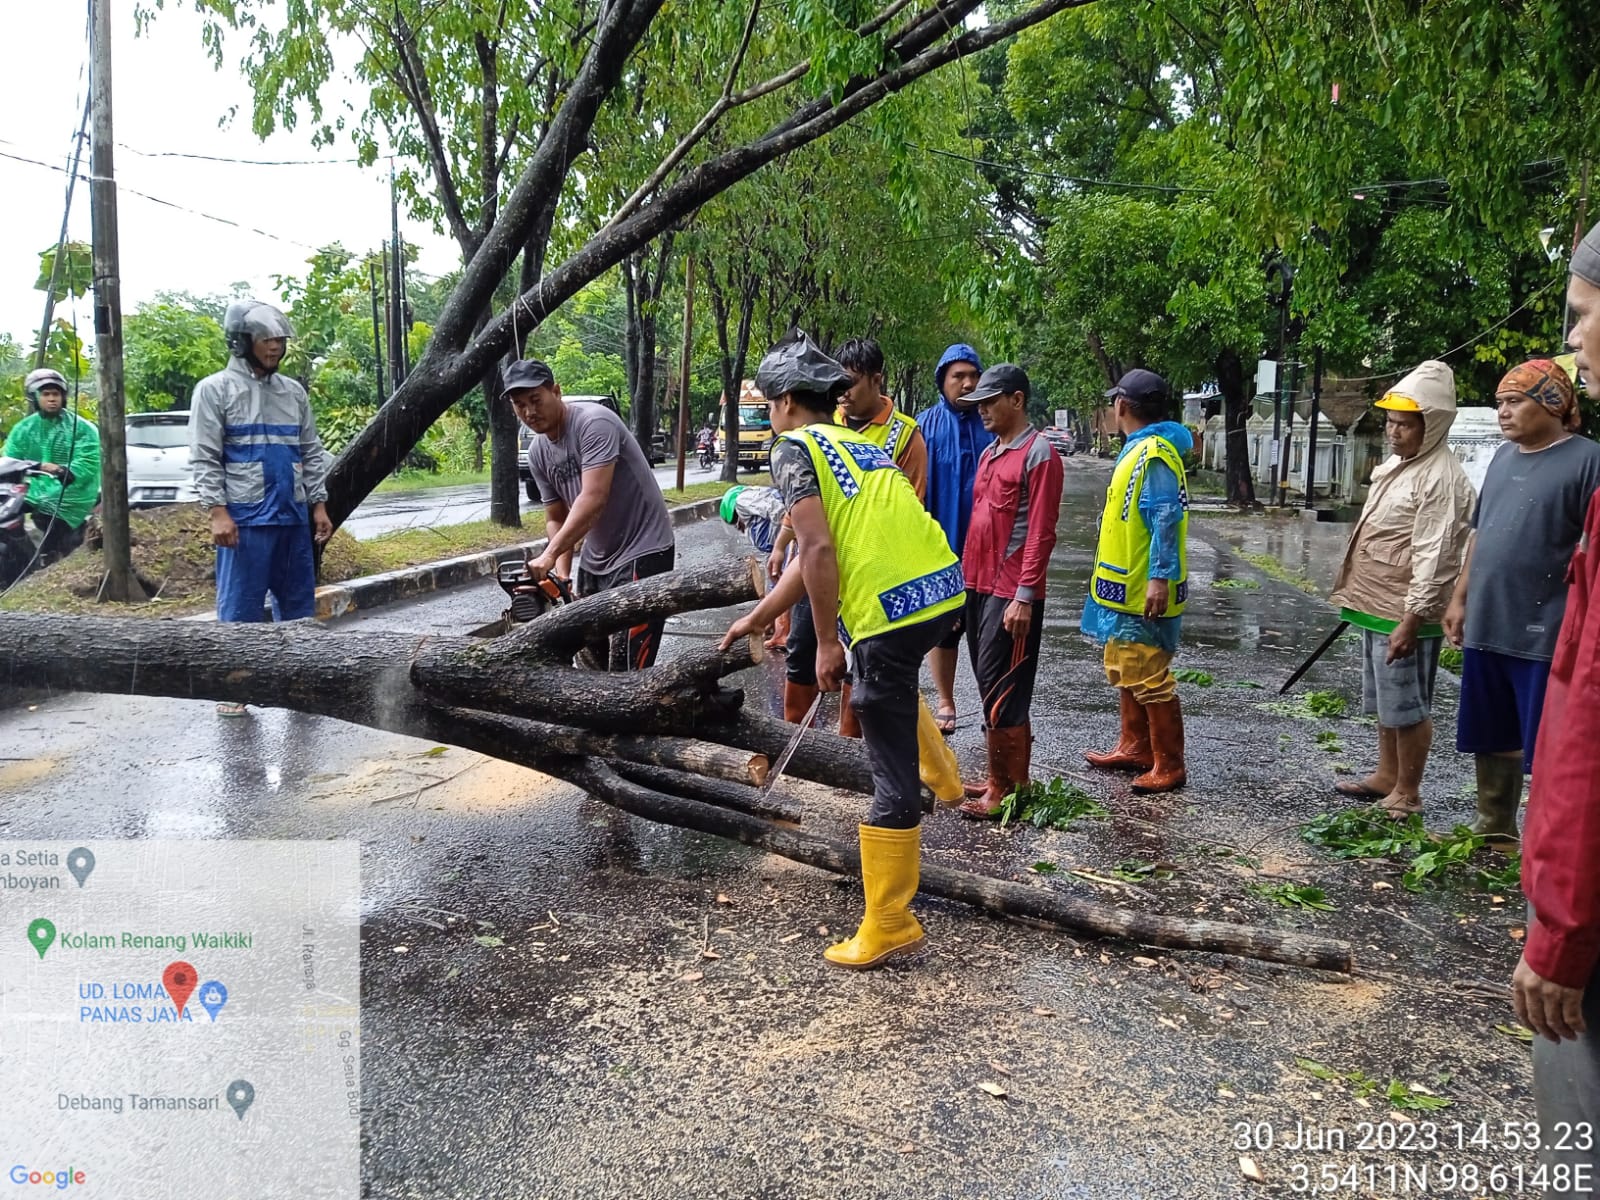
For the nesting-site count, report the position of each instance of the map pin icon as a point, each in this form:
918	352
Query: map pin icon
40	934
178	979
240	1096
81	863
212	997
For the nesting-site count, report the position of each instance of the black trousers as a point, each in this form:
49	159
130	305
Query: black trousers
630	649
885	696
800	663
60	539
1006	668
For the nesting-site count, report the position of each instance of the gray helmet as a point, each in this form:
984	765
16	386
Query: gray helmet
44	377
247	320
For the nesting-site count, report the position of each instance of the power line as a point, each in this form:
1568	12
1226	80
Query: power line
122	187
248	162
1075	179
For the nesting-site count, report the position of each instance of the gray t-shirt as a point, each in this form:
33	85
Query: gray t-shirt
1528	520
635	521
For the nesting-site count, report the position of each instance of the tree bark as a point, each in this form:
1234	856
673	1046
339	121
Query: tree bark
1235	412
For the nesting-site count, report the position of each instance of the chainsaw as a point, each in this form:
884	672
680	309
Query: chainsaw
530	598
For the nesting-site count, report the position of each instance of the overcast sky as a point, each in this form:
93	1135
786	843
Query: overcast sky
168	99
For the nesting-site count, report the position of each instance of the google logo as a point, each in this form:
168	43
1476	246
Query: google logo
55	1179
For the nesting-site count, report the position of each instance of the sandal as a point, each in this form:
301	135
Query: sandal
232	710
945	721
1358	791
1401	813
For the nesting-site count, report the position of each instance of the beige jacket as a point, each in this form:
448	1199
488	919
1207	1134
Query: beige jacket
1406	551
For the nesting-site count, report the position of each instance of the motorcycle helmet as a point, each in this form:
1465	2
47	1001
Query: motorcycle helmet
247	320
37	381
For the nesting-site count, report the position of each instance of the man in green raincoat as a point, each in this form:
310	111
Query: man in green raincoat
68	449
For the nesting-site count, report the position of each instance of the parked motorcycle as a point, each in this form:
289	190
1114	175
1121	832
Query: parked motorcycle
19	545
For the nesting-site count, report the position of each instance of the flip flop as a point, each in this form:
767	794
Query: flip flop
945	720
1400	814
1358	791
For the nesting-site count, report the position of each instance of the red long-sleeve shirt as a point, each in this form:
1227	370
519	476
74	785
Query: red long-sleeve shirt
1016	500
1561	839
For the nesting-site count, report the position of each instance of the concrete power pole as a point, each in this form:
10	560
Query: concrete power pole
121	584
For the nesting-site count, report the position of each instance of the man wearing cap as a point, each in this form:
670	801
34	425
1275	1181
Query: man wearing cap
1141	583
1556	986
1016	500
596	486
1508	602
1399	572
955	437
881	579
865	409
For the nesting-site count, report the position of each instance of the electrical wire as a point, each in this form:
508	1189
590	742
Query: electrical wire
1472	341
194	212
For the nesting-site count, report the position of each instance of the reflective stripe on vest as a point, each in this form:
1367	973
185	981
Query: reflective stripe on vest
894	435
895	566
1122	559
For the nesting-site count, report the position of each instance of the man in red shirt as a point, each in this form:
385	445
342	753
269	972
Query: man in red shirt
1016	499
1556	987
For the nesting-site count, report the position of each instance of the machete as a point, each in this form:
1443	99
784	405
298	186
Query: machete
1315	654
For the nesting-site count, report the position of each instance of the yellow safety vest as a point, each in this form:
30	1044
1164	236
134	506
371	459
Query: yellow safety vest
895	566
1122	562
894	435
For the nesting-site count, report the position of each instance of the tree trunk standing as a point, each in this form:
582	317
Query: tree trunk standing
505	487
735	353
1235	412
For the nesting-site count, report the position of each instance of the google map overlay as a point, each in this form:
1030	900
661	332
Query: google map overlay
175	1011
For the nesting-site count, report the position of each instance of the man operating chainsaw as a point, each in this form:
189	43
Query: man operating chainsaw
596	485
883	581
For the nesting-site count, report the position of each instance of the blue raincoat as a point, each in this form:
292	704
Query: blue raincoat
955	437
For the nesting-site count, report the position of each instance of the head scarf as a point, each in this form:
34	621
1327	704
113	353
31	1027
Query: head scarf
1544	382
1586	258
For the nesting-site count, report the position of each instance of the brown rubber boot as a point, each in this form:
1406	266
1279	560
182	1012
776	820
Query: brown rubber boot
1008	766
797	698
1132	751
1166	739
849	723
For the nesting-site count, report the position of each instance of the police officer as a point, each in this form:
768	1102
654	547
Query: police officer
882	579
261	469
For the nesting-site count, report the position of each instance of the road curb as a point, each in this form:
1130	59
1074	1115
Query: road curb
375	591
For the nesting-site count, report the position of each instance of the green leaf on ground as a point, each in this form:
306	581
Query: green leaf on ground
1414	1098
1243	585
1451	659
1519	1033
1198	678
1138	870
1294	895
1328	740
488	939
1055	805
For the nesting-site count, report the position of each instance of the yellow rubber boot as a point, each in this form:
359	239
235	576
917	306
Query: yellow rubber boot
891	865
936	762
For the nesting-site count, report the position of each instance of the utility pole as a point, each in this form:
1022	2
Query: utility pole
61	242
377	328
121	583
1283	273
1311	446
397	297
683	383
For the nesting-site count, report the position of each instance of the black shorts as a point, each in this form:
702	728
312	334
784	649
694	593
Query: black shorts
1005	667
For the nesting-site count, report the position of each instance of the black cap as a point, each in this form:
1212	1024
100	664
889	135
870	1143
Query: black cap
1139	385
527	373
1002	379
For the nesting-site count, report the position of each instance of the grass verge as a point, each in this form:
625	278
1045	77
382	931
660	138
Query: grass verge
173	556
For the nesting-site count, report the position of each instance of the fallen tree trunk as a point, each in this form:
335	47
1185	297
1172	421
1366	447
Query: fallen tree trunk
680	748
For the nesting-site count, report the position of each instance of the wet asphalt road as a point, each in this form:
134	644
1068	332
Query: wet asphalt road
600	1052
387	512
